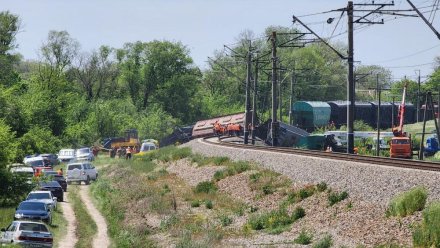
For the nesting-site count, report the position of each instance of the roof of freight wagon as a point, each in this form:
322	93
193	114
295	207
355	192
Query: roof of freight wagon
306	105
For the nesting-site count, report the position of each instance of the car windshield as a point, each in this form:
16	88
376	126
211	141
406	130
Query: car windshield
83	151
38	196
36	163
50	173
32	206
74	166
50	184
24	173
35	227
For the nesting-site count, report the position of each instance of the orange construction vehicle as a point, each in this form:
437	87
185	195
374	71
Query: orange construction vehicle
401	146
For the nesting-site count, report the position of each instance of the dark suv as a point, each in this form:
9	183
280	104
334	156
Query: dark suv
54	187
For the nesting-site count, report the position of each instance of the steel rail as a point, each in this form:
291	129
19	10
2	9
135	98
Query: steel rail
392	162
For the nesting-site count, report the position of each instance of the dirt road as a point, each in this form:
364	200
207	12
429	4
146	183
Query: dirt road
101	239
70	239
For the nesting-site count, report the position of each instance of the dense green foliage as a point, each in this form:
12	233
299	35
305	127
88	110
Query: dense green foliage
408	202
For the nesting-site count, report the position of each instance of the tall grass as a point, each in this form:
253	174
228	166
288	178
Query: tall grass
427	234
408	202
275	221
6	216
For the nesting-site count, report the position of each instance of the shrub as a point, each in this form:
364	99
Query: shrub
268	189
195	204
427	234
274	221
225	220
298	213
220	160
208	204
335	197
240	166
219	175
303	238
205	187
408	202
321	187
325	242
254	177
306	192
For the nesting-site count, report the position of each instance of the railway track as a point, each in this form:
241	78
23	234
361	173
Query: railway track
392	162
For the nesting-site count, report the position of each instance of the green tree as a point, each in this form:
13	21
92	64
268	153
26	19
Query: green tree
9	27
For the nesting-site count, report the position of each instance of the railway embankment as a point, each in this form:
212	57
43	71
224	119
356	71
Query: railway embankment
371	183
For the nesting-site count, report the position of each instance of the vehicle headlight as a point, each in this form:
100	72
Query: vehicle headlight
18	216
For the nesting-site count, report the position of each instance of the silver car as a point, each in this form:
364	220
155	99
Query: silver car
81	172
27	234
84	154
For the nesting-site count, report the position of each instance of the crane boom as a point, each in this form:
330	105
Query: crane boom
398	131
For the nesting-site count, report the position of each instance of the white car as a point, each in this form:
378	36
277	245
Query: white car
37	162
84	154
43	196
27	234
81	172
66	155
27	172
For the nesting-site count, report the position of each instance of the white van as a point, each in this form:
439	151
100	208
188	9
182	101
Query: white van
65	155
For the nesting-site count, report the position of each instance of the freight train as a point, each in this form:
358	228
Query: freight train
310	115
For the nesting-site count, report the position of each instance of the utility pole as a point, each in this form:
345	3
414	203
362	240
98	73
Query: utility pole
280	98
274	125
292	82
392	113
418	98
248	82
254	102
350	85
378	90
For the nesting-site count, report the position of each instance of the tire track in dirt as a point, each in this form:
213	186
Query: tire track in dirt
101	239
70	239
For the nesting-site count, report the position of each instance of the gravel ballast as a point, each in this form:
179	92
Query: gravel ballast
370	183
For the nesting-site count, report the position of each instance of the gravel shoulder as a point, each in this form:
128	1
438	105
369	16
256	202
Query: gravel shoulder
70	238
101	239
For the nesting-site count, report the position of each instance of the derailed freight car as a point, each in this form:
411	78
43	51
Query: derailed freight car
204	128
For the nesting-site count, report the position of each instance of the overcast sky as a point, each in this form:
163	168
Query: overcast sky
403	44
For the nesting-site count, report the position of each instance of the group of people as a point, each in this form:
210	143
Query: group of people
123	152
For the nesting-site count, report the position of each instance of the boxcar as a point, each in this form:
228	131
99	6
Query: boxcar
310	115
338	113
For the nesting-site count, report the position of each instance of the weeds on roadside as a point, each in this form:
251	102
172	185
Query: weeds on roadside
225	220
335	197
304	238
205	187
427	234
325	242
321	187
209	204
408	202
275	221
195	203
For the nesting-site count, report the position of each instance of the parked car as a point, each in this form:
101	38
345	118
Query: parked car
24	171
52	158
59	178
85	154
43	196
81	172
54	187
66	155
37	162
27	234
33	210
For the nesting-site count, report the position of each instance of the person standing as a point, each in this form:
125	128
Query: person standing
128	153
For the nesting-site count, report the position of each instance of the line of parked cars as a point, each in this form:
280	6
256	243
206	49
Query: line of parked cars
31	216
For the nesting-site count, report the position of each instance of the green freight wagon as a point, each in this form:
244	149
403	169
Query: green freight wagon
311	115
